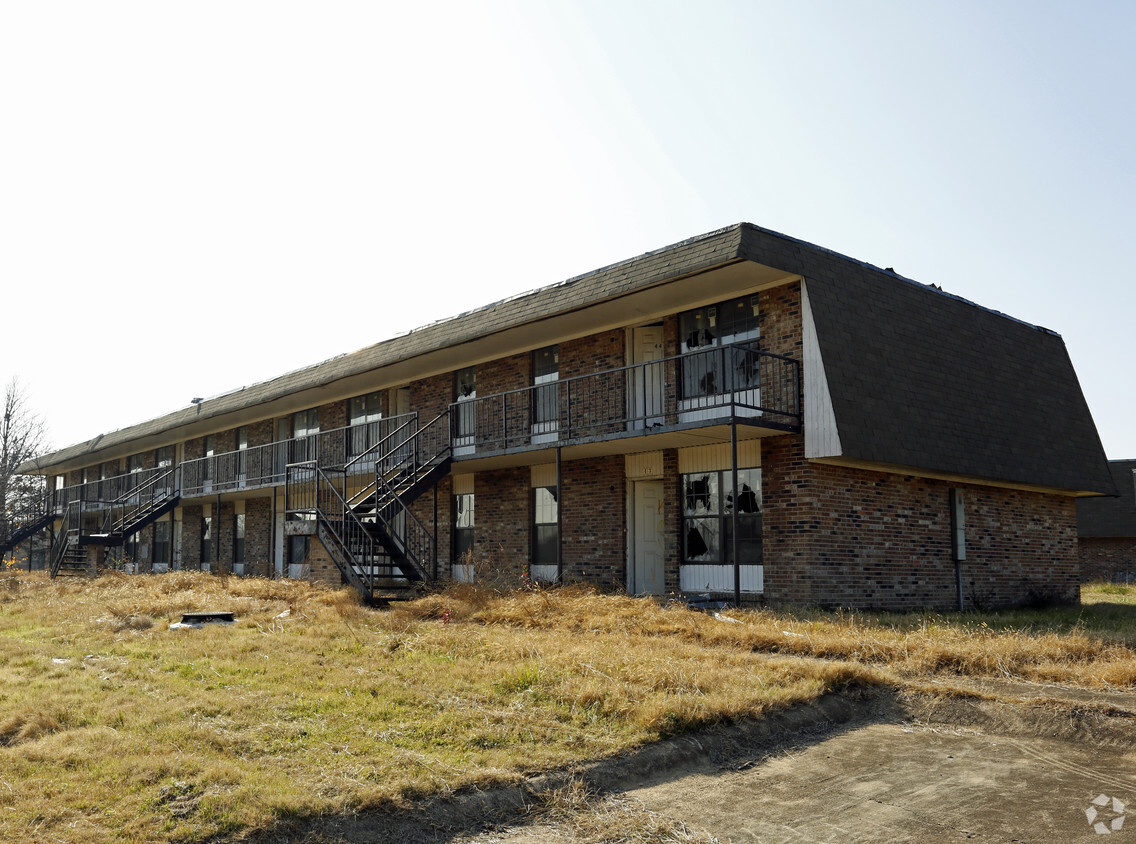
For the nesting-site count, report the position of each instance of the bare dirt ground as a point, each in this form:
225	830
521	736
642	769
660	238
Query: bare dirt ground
1008	762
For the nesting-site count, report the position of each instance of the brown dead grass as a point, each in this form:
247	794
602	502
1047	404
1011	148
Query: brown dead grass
1083	646
116	728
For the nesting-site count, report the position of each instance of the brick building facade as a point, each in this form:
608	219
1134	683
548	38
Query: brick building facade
742	415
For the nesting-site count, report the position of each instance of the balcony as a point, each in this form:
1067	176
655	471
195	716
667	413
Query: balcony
685	400
689	399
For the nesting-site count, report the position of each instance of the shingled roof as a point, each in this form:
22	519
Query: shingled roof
917	377
924	379
1111	517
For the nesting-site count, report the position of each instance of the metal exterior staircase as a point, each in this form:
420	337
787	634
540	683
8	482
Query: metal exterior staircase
25	529
383	550
68	556
139	506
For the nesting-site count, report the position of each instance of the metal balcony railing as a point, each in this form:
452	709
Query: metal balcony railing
699	388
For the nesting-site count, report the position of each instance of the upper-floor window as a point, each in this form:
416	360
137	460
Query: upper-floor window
207	465
465	391
305	422
546	371
305	429
165	457
363	416
242	454
709	369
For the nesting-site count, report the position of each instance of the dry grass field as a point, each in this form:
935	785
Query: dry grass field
113	727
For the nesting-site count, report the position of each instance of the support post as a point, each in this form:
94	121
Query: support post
734	511
559	523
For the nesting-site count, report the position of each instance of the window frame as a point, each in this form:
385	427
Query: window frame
717	516
549	528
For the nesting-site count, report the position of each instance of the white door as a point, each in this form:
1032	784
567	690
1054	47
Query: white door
646	384
647	553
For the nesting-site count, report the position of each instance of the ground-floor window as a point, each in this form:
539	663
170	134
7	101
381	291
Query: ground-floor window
708	510
161	543
463	527
206	540
298	547
238	538
546	534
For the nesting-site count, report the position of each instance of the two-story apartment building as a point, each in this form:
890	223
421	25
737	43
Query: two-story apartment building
741	414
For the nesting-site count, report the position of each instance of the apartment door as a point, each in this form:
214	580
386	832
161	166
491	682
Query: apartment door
645	404
647	552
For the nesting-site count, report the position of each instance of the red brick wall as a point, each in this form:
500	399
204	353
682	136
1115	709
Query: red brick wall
502	515
593	353
1103	558
857	538
593	518
779	312
430	396
319	565
191	537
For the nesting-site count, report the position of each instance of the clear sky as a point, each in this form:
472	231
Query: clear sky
199	196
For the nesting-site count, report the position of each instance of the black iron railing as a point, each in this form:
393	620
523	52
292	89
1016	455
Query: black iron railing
738	381
67	536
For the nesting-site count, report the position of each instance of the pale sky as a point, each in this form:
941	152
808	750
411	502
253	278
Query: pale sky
199	196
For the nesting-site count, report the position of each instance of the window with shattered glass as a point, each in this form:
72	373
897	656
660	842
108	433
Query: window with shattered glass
710	366
463	526
545	526
708	509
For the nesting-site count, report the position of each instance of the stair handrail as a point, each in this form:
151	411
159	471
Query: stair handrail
363	493
144	504
409	419
27	525
66	531
413	467
417	543
324	490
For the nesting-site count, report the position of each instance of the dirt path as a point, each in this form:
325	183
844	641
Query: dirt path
879	767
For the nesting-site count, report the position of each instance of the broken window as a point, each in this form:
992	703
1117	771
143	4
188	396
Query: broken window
708	510
708	368
465	393
206	540
463	526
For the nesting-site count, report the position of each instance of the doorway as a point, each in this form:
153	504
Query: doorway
648	547
645	404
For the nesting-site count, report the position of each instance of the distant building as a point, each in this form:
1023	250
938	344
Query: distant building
1106	529
741	415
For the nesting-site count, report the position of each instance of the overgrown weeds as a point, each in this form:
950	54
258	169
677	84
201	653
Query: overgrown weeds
118	728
